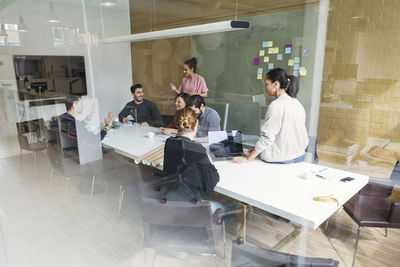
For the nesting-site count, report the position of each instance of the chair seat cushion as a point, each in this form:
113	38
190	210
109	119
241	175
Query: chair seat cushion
38	146
187	239
369	211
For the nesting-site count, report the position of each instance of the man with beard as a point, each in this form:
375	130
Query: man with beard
141	110
209	119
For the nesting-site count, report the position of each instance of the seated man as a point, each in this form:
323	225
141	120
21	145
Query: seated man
68	121
209	119
141	110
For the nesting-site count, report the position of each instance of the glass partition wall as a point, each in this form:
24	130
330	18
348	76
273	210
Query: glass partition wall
83	209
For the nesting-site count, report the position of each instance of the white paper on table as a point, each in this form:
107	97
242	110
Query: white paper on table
331	174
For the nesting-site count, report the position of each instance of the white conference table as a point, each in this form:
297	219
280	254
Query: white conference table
282	190
276	188
132	141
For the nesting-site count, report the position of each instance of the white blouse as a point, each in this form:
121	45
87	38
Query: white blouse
283	133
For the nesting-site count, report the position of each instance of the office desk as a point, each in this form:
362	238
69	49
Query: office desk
131	141
281	190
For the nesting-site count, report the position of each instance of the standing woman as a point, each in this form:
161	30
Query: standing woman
193	83
284	135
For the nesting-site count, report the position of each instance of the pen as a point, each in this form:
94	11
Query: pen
321	170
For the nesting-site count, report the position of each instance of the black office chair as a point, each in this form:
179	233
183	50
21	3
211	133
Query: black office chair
179	180
246	255
372	207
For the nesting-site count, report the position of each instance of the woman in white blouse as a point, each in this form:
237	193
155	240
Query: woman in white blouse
284	135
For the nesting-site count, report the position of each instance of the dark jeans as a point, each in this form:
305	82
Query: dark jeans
396	172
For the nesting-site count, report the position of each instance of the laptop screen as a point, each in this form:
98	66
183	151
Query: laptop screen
225	142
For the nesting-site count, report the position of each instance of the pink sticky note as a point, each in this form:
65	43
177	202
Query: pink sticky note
288	45
256	61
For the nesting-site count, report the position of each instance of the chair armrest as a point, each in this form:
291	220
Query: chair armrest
217	216
394	216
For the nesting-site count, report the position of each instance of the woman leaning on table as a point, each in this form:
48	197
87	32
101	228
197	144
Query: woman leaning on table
284	135
181	101
193	83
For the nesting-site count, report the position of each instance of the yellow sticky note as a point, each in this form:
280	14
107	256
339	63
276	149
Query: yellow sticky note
266	59
290	62
270	50
259	76
270	44
262	53
302	71
276	50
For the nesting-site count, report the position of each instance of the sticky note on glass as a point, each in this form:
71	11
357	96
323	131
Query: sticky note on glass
264	44
279	57
266	59
270	66
303	71
259	76
297	60
270	44
262	53
296	73
296	66
276	50
290	62
256	61
270	50
259	70
306	53
288	48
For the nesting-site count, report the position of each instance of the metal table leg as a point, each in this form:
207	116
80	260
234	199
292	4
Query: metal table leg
242	228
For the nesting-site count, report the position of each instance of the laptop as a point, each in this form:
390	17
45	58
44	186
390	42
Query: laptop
225	145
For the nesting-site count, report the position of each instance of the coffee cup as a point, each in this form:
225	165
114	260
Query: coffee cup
150	134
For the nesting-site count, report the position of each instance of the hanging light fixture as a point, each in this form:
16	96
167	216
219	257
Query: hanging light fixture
3	32
52	16
21	25
108	2
223	26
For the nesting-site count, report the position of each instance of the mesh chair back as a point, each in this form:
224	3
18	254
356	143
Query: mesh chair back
246	255
23	128
244	116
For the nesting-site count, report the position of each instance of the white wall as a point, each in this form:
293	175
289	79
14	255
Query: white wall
108	67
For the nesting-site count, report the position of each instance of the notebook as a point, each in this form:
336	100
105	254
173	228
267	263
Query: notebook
225	145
